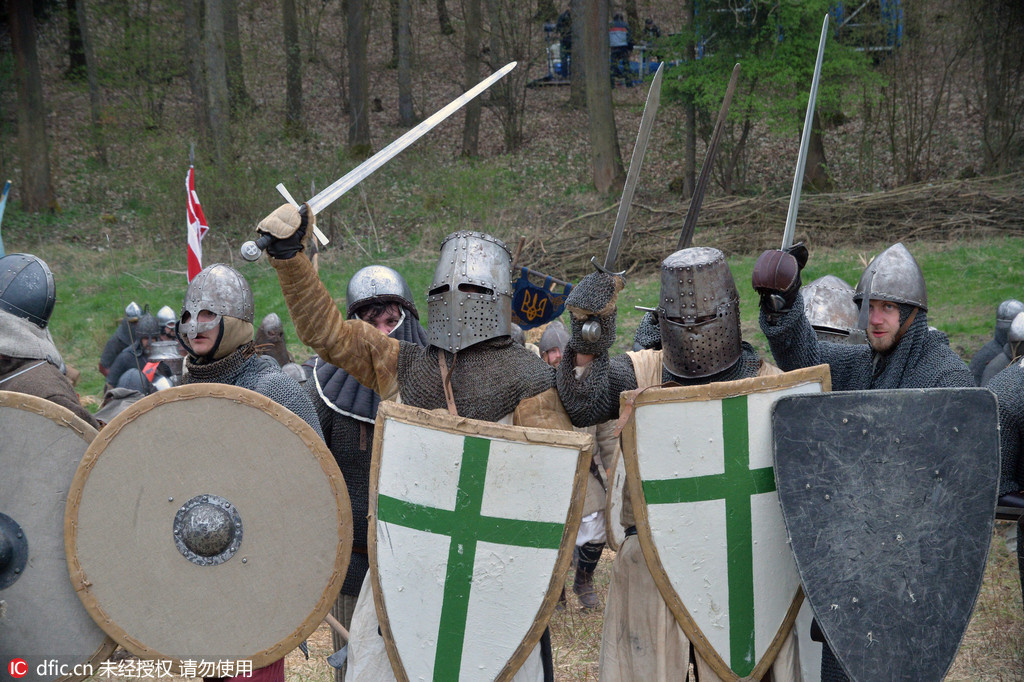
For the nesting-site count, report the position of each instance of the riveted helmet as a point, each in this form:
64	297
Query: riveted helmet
893	275
1005	315
220	289
829	307
147	327
378	284
698	315
27	289
470	299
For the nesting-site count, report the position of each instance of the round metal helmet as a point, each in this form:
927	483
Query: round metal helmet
132	312
829	307
1016	331
1005	314
166	316
220	289
699	313
470	299
555	336
147	327
271	324
27	289
378	284
893	275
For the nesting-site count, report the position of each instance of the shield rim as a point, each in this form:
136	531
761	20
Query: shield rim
441	420
62	415
284	416
614	533
714	391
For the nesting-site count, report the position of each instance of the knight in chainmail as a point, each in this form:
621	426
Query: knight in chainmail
1005	312
347	410
491	378
1003	358
1008	386
902	352
270	339
216	328
699	327
122	337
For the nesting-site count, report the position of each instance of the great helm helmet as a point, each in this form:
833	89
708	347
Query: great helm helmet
698	315
220	289
829	307
378	284
470	299
27	289
1006	313
893	275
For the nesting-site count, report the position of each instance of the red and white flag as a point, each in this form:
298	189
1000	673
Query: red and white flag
197	226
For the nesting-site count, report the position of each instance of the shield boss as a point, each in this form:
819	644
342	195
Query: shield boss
207	522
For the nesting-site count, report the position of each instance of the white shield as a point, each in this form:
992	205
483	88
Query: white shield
472	530
699	467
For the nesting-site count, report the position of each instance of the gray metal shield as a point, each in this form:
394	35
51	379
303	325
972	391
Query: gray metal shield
42	622
889	499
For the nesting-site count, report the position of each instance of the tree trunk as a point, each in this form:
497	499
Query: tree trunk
393	20
690	127
604	143
239	96
76	50
633	18
95	108
816	172
577	64
443	19
36	185
194	58
471	75
293	67
406	114
217	82
358	83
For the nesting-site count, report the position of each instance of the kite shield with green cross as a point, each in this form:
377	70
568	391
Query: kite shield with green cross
702	483
472	527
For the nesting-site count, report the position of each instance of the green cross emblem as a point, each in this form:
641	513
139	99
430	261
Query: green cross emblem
736	486
466	527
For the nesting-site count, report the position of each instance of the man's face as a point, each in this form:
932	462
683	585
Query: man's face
883	323
204	341
553	356
386	322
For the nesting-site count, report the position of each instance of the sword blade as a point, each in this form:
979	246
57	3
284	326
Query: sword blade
690	222
363	170
636	161
805	142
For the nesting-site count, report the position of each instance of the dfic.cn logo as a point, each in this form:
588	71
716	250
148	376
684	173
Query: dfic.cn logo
17	667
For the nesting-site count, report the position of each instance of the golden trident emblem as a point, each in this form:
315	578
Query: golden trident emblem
534	307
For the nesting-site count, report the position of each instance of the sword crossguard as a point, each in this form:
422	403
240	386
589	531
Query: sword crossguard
601	268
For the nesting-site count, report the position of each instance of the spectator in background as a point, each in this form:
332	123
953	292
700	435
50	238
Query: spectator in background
564	29
621	44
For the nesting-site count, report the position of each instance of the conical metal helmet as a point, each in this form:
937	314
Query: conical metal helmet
698	315
132	312
27	288
829	307
166	316
893	275
220	289
1005	315
378	284
470	299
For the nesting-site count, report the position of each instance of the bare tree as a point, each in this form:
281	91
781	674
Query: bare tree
293	66
217	82
406	114
443	19
471	74
194	60
513	37
358	83
239	96
95	108
33	147
577	64
76	51
689	179
604	142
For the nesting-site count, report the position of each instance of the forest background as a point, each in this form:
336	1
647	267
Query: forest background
917	138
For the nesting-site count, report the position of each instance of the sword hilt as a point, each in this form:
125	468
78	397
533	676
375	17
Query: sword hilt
251	250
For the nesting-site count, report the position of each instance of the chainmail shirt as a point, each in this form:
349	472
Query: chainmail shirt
245	369
920	360
983	357
118	341
996	365
1008	386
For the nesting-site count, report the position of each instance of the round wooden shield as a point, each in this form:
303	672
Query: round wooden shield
207	522
614	532
41	619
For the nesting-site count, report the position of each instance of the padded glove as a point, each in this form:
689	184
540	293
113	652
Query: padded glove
288	227
777	277
593	301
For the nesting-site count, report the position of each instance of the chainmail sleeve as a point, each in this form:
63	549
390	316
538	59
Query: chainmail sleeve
794	345
285	391
1008	386
985	355
593	397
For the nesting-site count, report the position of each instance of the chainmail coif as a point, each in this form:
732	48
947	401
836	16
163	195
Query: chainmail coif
245	369
595	398
919	360
489	379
